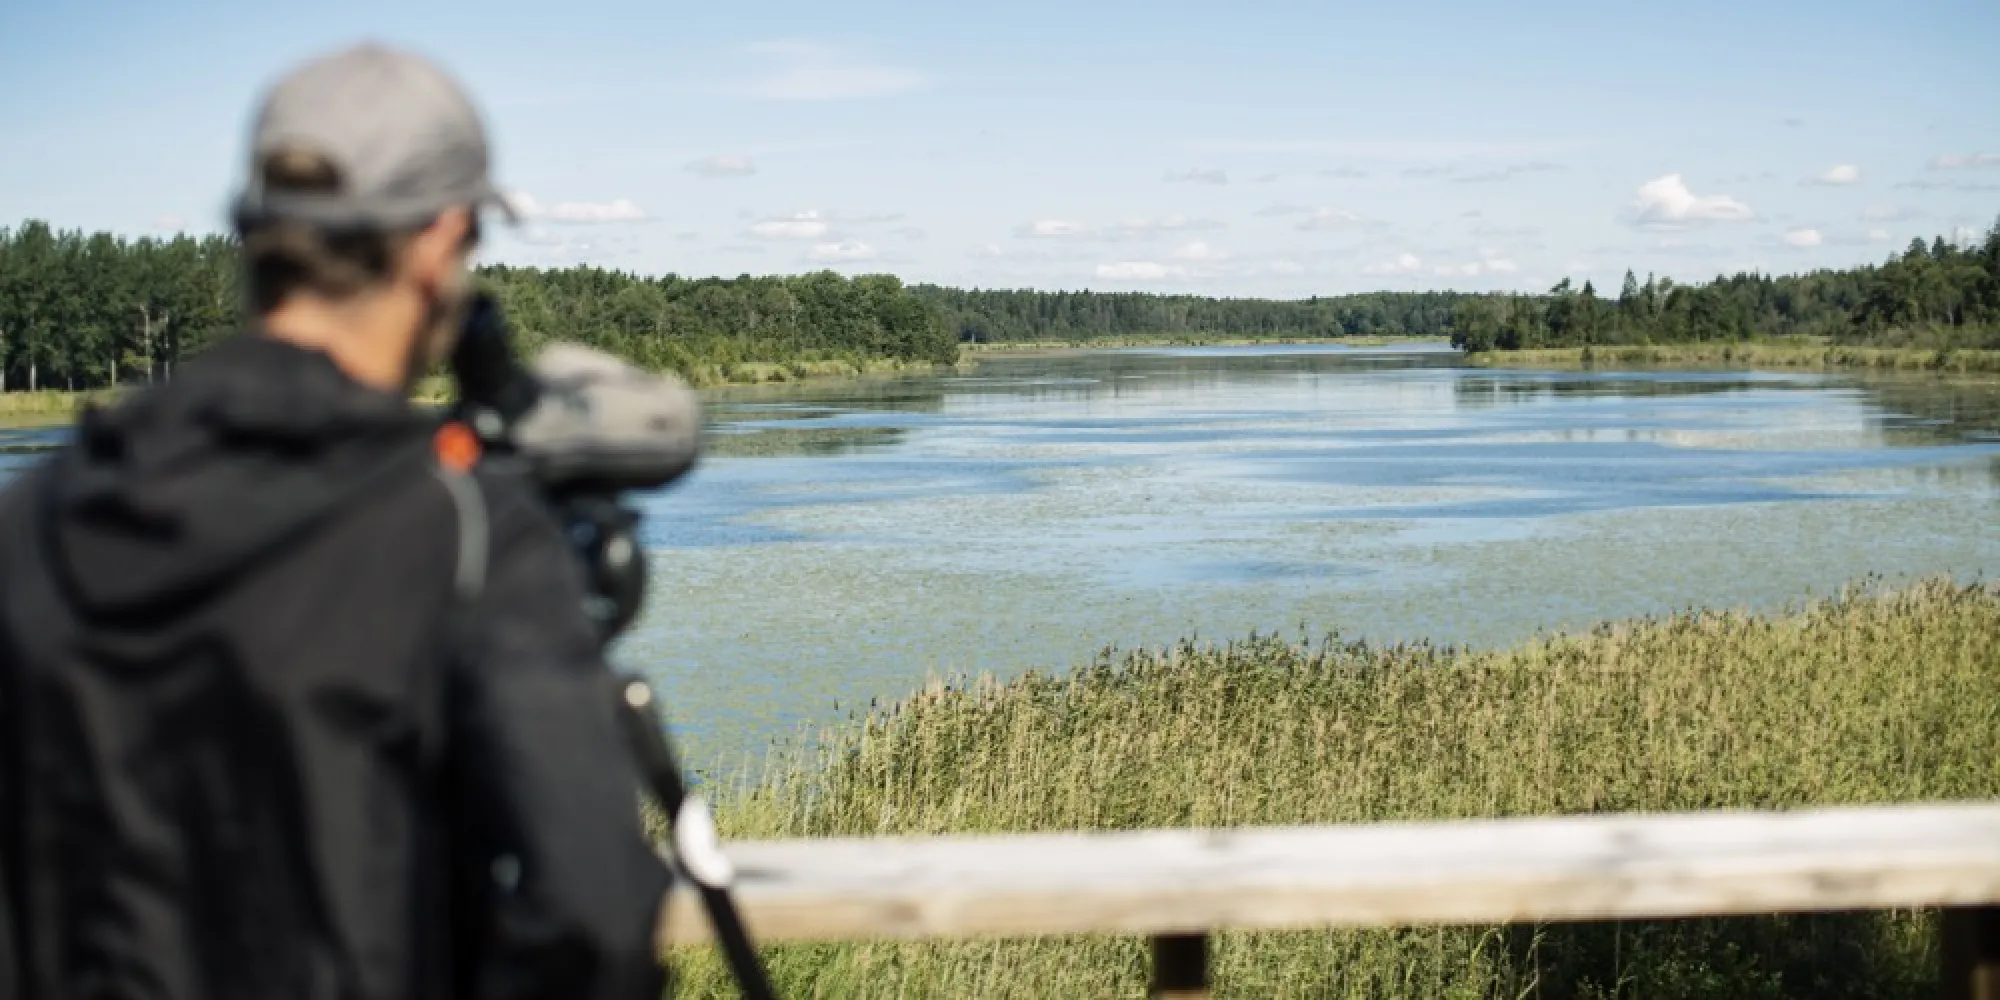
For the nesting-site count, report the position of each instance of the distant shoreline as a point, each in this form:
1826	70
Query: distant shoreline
1019	347
55	407
1753	355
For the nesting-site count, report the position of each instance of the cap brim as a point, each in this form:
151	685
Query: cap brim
498	202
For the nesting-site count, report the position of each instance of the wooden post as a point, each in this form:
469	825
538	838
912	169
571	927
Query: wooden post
1971	953
1180	967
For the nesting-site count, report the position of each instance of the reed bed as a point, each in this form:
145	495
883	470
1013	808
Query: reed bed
1873	696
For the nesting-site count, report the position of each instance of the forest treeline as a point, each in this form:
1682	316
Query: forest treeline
1934	296
85	310
1012	315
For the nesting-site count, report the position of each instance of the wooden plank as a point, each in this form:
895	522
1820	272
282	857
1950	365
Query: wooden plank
1158	882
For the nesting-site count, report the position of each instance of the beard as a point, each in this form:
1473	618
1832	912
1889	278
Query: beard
444	320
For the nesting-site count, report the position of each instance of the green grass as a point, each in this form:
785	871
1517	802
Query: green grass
1872	697
47	406
1758	355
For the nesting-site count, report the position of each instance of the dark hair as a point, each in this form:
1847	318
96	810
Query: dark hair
283	257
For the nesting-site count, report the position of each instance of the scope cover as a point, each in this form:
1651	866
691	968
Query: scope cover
601	424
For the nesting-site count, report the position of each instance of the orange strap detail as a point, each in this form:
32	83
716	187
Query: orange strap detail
457	447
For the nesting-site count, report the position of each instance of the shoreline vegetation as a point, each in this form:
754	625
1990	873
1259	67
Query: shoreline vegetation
85	311
44	407
1875	695
1021	347
1940	296
21	408
1754	355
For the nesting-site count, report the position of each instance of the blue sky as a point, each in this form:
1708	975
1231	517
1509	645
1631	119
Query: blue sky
1236	149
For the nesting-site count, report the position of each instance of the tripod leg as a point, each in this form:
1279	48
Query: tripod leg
701	859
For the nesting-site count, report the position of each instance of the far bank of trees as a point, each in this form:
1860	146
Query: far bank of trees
82	311
1932	295
677	323
1003	315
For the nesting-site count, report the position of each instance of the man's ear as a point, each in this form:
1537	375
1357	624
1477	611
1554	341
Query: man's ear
434	252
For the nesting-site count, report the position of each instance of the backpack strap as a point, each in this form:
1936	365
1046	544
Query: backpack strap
474	533
457	449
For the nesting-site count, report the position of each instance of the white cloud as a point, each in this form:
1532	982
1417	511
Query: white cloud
723	166
1878	235
579	212
863	218
1965	161
172	221
1803	238
1139	270
1510	172
1938	185
1209	176
996	251
908	232
1887	213
845	250
1287	267
810	71
1332	218
1837	176
1344	173
621	210
1054	229
1146	228
807	225
1488	263
1666	202
1197	250
1964	235
1142	228
1276	209
1404	263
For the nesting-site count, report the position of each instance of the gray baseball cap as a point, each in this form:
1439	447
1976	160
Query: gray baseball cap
402	137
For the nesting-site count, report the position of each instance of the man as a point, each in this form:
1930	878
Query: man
269	727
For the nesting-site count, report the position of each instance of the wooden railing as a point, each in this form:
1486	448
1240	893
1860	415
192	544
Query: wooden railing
1178	886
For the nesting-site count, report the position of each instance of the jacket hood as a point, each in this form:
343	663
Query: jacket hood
169	493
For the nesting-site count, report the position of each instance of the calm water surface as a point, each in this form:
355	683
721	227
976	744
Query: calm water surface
846	542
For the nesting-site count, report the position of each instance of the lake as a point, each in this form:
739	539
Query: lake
844	542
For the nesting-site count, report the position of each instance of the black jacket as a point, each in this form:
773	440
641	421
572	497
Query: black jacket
255	746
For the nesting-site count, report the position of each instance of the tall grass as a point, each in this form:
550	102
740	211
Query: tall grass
48	405
1870	697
